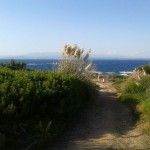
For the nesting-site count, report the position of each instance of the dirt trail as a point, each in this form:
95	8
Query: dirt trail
104	125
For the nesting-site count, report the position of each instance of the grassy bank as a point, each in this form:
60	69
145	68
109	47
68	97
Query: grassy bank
135	93
36	106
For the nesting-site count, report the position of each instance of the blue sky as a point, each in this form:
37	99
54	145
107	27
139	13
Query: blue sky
111	28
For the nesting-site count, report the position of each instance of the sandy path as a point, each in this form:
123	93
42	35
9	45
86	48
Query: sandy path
105	124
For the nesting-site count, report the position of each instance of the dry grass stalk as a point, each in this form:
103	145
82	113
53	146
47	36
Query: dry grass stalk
74	63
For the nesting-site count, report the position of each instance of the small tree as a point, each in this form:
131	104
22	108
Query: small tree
75	62
14	65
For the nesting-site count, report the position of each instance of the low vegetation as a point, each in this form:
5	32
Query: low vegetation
14	66
145	68
36	107
134	91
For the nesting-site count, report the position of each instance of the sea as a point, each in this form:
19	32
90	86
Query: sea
105	66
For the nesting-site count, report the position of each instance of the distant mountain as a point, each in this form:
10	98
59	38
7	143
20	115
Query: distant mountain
38	55
56	55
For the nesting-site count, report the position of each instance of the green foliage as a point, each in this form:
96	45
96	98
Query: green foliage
43	131
135	93
14	66
132	87
137	86
38	104
116	79
146	68
146	106
129	100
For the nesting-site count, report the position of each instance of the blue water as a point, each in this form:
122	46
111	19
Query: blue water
116	66
111	66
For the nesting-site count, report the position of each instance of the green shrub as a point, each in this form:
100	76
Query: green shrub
134	88
146	68
135	93
144	109
14	66
146	106
137	86
129	100
30	98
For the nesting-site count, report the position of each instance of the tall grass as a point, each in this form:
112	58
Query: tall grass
74	61
136	94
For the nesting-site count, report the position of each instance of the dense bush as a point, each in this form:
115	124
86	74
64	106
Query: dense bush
135	93
137	86
129	100
37	105
14	66
146	68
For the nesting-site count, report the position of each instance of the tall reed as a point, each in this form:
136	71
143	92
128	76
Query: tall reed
74	61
